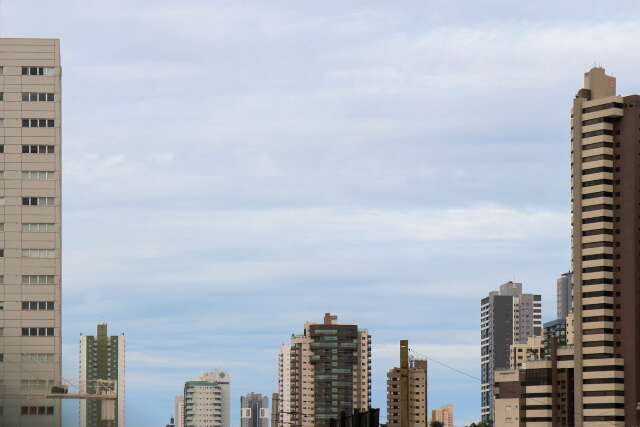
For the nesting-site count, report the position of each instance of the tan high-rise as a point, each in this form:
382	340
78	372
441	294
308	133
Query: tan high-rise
605	240
407	391
30	228
444	415
323	373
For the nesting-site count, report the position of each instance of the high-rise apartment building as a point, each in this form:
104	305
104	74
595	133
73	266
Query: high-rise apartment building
507	317
605	146
564	296
324	372
207	401
254	410
102	357
30	217
179	411
533	349
444	414
275	414
407	391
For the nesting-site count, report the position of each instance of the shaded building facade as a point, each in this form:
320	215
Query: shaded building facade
507	316
323	373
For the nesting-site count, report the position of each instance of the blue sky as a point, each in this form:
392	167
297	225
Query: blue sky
234	169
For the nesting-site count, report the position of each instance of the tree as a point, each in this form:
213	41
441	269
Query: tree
436	424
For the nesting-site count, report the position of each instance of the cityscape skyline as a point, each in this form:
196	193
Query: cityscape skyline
349	183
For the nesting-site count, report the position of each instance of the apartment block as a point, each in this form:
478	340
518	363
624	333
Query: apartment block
324	372
207	401
179	411
605	166
275	414
444	415
537	394
533	349
102	357
564	295
254	410
507	316
30	218
407	391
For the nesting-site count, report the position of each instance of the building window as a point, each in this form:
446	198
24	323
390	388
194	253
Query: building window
38	201
38	123
38	279
1	357
36	410
38	228
1	148
37	357
38	149
38	71
1	252
37	332
39	253
1	96
37	97
37	175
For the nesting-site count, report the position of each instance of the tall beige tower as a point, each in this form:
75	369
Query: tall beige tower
605	249
30	219
407	391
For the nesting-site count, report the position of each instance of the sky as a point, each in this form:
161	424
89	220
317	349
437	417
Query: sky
233	169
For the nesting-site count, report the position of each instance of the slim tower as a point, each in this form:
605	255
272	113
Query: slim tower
207	401
102	358
30	218
507	317
254	410
407	391
605	146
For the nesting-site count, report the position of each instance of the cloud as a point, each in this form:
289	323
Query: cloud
232	170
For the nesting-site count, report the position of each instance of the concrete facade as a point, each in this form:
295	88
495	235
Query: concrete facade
324	372
30	218
605	130
254	410
207	401
407	391
564	295
179	411
444	414
102	357
507	317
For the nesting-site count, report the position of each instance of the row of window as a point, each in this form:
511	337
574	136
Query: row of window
38	305
38	279
38	175
37	149
597	133
603	144
38	71
34	175
38	201
36	410
596	256
39	253
602	107
597	182
37	332
38	123
38	228
38	97
596	195
600	169
37	357
597	219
